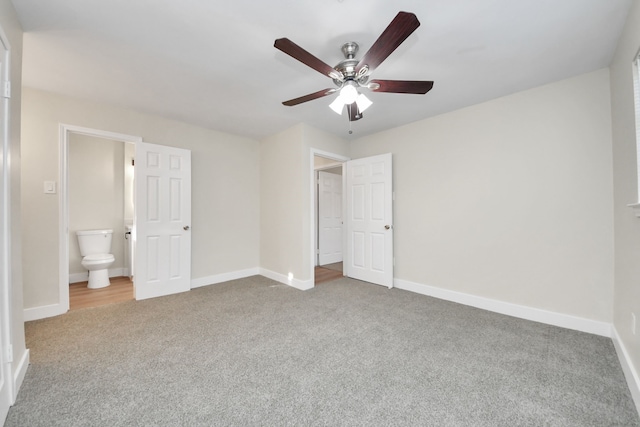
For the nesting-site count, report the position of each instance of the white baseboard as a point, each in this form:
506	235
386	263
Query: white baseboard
84	276
78	277
520	311
44	311
19	373
303	285
224	277
630	373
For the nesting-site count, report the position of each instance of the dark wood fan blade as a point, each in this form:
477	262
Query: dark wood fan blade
310	97
354	112
296	52
401	86
398	30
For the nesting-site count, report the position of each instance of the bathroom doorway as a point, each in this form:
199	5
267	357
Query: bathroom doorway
100	197
96	191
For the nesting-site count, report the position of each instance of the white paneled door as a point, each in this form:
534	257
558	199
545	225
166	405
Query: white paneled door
370	220
329	218
162	226
5	357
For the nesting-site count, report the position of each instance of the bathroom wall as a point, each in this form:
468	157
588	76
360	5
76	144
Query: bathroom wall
96	196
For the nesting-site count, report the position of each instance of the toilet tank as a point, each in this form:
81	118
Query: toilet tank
93	242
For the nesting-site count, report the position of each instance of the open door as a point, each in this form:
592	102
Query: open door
370	220
162	221
329	218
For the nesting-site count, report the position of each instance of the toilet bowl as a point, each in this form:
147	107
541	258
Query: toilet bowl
98	266
95	246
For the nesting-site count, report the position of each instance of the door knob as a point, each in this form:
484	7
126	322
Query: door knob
185	228
386	227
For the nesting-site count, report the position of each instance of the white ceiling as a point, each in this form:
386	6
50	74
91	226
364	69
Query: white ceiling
213	64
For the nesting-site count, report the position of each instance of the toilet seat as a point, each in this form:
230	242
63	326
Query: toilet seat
98	259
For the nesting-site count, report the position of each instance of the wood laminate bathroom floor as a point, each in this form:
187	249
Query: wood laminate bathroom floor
328	273
120	289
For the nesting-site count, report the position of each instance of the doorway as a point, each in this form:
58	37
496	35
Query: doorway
69	136
329	221
328	203
367	207
100	194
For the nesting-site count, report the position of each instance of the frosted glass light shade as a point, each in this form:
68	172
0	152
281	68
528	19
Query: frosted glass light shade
347	97
349	93
337	105
363	102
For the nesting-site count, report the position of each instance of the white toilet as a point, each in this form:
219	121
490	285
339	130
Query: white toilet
95	248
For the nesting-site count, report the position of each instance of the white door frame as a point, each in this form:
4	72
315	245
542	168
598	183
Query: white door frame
63	227
6	328
312	182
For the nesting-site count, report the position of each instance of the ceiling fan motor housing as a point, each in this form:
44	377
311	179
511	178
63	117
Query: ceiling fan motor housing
347	67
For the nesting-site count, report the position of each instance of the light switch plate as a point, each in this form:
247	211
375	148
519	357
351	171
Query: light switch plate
49	187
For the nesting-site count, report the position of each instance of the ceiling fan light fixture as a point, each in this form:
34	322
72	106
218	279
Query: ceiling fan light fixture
337	105
349	93
363	102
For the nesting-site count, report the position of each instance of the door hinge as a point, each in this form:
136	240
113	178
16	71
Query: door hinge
6	90
9	353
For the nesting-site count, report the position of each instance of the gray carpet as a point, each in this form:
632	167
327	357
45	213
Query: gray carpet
254	352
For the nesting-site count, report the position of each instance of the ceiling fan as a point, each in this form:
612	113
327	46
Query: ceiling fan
352	74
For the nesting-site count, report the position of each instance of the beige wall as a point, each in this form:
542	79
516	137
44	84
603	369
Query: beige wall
225	187
323	162
282	203
510	199
96	194
286	226
11	27
625	178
